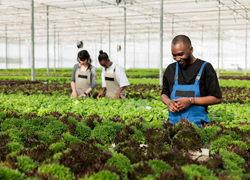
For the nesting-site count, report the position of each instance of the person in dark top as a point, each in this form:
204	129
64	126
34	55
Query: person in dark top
189	85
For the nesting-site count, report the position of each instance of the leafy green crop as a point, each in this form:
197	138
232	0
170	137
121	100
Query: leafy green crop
198	171
14	146
55	128
233	163
120	161
57	171
10	174
105	133
159	166
220	143
12	122
57	146
70	139
138	135
15	134
26	164
207	133
2	116
103	175
82	131
34	124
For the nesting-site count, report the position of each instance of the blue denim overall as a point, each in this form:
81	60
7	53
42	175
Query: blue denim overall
194	113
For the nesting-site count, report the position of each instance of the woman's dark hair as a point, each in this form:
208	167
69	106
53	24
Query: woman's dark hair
102	56
83	54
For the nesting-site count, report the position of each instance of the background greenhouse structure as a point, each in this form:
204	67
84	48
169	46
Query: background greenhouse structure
135	33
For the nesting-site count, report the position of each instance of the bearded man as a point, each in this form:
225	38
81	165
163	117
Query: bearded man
189	85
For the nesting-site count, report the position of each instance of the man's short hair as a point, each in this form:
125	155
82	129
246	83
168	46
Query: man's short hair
182	38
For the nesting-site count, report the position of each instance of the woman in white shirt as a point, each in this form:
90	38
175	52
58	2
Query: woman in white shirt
114	79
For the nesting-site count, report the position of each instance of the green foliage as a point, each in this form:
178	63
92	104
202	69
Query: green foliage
116	125
103	175
33	178
10	174
242	144
156	124
233	163
207	133
57	146
159	165
14	146
82	131
70	139
57	171
220	143
120	161
198	171
55	128
34	124
25	117
142	170
2	115
49	118
14	122
245	128
45	137
42	104
57	156
26	164
138	135
15	135
233	134
105	133
140	125
71	120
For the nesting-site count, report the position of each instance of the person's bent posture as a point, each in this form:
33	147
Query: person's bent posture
189	85
114	79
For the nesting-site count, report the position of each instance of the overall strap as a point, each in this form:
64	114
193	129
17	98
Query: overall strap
176	74
198	77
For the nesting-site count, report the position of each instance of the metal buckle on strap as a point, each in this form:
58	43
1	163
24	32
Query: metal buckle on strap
198	77
176	78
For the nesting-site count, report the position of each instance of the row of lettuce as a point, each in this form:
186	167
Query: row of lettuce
154	81
143	91
226	114
69	146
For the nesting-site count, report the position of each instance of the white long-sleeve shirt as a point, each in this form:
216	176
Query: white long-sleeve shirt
120	75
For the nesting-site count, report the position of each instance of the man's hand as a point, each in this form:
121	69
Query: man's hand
182	103
74	95
173	106
117	96
99	95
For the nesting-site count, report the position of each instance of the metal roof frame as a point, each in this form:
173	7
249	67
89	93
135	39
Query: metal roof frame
90	19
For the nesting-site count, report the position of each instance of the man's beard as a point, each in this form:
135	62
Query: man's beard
186	63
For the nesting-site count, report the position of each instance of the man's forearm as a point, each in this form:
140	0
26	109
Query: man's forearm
165	99
207	100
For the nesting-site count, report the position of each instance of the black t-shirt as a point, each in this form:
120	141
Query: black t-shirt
209	85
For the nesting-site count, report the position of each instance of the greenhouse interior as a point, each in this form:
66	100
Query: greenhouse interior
152	108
